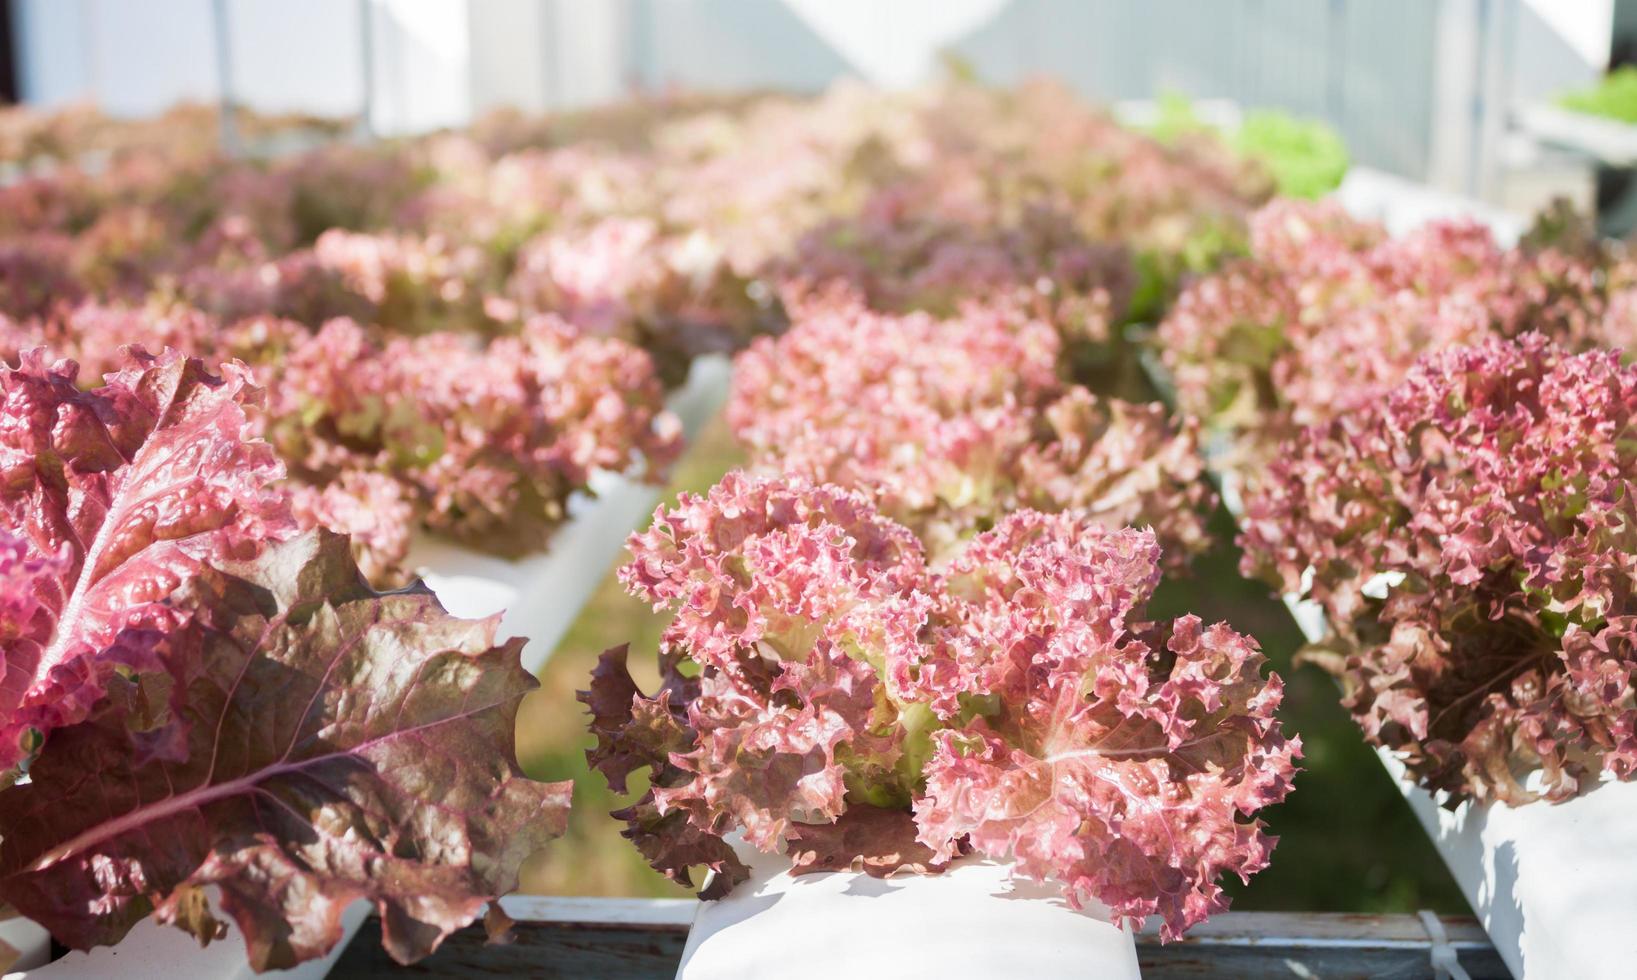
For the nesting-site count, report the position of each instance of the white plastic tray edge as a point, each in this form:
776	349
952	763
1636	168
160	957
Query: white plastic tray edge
1606	140
30	940
1400	204
155	952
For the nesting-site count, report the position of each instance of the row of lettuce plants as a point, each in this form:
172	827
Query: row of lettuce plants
216	371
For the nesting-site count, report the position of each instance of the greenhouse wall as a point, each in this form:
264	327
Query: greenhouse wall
1418	89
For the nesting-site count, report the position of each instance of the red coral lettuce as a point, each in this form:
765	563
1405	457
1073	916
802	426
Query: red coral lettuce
1121	758
1471	537
950	424
1327	313
856	708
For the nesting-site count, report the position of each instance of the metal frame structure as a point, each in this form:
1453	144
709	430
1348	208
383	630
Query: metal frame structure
634	939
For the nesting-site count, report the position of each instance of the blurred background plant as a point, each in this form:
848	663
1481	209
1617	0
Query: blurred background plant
1613	97
1306	156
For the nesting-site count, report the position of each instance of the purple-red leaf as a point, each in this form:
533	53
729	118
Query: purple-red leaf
340	744
125	490
637	732
878	841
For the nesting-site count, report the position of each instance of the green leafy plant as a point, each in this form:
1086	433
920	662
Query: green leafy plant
1613	97
1307	157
